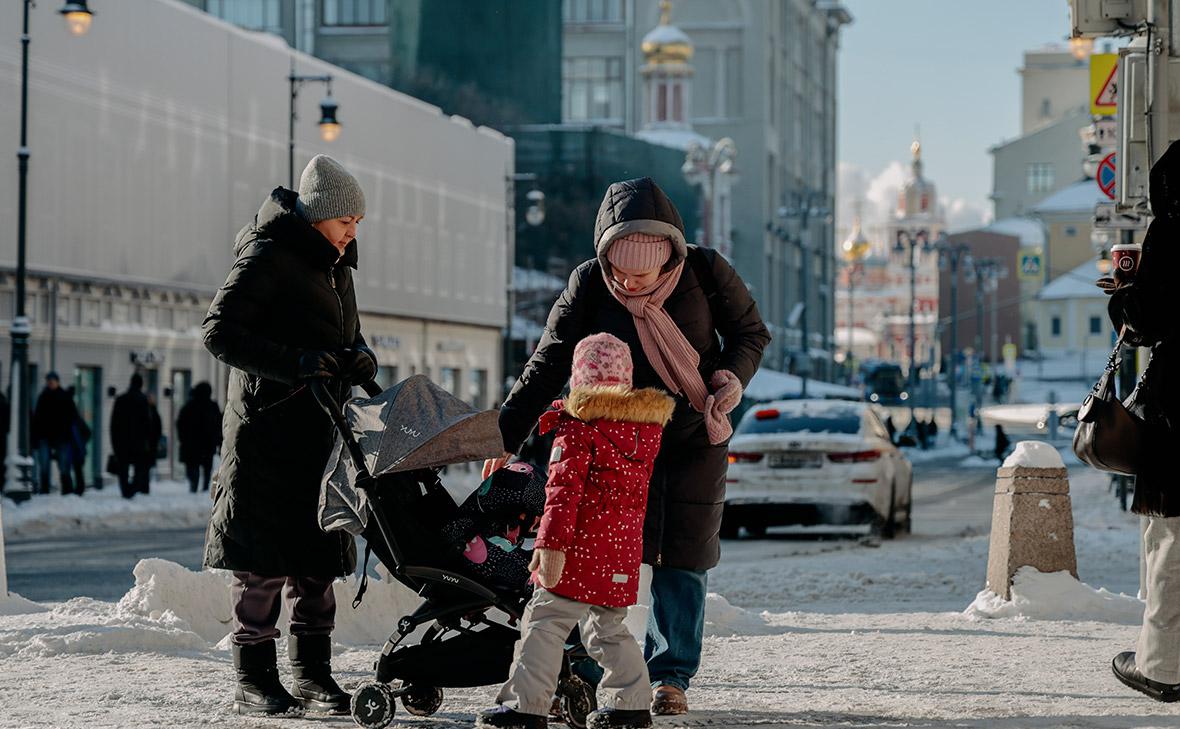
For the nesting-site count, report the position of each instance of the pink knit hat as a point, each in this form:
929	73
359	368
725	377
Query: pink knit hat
601	360
639	252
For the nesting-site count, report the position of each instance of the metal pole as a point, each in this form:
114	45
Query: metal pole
805	294
291	128
954	378
20	323
53	291
979	340
994	352
851	316
914	375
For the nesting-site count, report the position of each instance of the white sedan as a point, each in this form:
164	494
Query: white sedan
816	462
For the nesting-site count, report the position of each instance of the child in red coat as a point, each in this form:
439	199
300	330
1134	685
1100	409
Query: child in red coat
590	542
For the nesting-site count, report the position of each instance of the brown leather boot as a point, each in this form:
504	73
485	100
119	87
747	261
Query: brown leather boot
669	701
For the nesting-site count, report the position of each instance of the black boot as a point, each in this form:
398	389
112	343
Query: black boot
311	665
618	719
1126	671
259	689
503	717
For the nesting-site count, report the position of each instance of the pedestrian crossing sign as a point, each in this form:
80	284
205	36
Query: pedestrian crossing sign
1030	265
1104	69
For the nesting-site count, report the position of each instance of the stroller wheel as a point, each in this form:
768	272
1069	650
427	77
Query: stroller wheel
578	699
373	705
421	700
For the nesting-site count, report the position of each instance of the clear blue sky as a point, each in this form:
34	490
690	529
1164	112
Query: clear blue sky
947	65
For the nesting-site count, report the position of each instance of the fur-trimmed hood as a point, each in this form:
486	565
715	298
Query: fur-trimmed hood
620	403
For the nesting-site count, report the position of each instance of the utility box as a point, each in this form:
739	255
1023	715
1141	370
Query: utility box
1097	18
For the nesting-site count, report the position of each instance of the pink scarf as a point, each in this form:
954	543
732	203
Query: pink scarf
667	349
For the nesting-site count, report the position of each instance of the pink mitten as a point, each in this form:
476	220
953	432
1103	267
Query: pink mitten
727	390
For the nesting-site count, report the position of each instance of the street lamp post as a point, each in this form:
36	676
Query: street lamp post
713	171
913	244
855	248
804	208
954	254
534	215
329	125
77	16
985	273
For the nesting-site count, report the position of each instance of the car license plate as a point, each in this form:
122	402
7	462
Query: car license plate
794	460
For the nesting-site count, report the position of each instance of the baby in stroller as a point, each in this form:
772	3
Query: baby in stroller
491	526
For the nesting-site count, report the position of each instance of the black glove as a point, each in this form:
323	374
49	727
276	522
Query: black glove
358	365
317	363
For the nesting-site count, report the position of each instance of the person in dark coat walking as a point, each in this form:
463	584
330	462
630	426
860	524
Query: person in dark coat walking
131	438
79	443
286	315
53	420
1142	310
668	302
198	426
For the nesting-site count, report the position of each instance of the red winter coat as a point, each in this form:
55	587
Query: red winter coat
606	444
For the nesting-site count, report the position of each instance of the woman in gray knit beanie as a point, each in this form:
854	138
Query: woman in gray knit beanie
287	314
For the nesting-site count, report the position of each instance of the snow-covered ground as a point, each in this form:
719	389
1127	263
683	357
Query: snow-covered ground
800	634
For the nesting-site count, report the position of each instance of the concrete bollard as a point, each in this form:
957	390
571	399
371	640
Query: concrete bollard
1032	524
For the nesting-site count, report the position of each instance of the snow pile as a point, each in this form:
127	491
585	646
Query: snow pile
1056	596
89	627
724	620
201	600
169	505
945	449
14	604
1034	454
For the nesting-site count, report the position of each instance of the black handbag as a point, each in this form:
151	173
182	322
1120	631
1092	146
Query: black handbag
1109	433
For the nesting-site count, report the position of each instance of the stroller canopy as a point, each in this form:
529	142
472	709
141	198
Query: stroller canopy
414	424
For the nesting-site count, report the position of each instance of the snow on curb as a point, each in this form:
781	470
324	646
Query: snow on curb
1055	596
1034	454
169	505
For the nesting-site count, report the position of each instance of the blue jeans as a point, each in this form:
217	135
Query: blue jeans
675	626
60	452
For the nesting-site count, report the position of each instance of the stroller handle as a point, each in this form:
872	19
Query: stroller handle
335	411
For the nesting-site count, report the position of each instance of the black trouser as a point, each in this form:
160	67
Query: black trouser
195	469
142	481
256	605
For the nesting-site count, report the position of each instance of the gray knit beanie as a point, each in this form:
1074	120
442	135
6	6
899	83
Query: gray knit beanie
327	190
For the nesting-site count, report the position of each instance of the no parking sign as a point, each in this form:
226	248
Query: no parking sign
1106	176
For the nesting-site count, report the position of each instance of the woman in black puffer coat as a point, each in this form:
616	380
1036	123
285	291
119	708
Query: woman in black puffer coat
286	315
687	494
1145	312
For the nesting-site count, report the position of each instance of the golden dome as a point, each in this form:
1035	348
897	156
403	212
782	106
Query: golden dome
666	43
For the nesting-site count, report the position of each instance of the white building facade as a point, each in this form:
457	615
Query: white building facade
156	137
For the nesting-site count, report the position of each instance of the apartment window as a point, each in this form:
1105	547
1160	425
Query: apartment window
264	15
592	11
355	12
1095	325
733	83
1046	108
1071	231
1055	326
449	379
1040	177
592	89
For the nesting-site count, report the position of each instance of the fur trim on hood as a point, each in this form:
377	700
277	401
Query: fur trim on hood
620	403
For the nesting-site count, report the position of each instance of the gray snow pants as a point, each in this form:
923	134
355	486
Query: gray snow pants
1158	653
256	606
547	622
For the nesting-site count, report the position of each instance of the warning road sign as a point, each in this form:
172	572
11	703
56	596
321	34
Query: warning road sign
1106	176
1104	84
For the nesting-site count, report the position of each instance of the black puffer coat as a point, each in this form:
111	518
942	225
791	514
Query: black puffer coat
687	492
1147	307
286	293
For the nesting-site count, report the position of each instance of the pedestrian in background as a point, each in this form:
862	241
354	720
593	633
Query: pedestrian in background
669	302
198	426
52	434
131	438
79	440
285	320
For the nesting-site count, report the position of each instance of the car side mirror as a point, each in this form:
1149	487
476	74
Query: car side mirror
906	441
